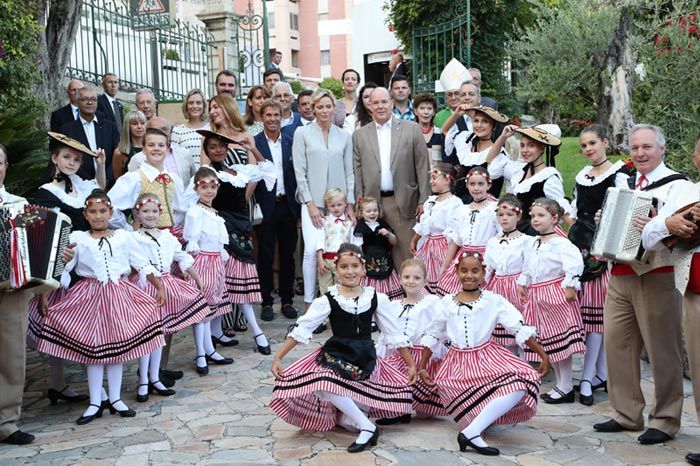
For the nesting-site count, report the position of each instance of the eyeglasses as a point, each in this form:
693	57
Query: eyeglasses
88	99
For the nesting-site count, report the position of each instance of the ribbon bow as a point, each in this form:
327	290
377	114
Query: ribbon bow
339	220
164	178
60	176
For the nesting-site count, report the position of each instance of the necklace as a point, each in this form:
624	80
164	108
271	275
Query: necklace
428	130
599	164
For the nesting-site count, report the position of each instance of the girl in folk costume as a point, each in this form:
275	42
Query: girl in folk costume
504	259
481	383
377	239
471	148
548	285
316	389
469	229
151	177
186	306
413	314
437	210
206	236
67	192
534	176
104	320
591	184
231	201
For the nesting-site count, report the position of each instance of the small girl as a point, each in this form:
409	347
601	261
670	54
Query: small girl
413	314
310	392
336	230
503	258
551	273
437	210
186	306
377	239
479	382
206	237
534	176
592	182
470	227
104	320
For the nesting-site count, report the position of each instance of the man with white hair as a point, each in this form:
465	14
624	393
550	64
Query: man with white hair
146	103
282	93
643	310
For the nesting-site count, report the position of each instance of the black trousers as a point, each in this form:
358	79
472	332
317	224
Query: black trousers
280	230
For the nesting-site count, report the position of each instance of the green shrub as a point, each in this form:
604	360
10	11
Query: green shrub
333	85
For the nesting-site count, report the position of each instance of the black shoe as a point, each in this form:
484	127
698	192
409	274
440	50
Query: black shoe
390	421
167	381
564	398
267	314
153	389
175	375
653	436
55	395
21	438
374	327
465	442
123	413
142	398
219	362
289	312
358	447
217	341
82	420
320	329
264	350
586	400
692	458
201	370
603	384
609	426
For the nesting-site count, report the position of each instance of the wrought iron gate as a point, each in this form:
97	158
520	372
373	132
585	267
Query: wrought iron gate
253	49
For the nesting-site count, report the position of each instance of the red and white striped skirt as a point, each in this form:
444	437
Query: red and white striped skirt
558	322
432	253
294	396
449	282
426	400
184	305
592	299
506	286
99	323
36	320
390	285
210	268
242	282
470	378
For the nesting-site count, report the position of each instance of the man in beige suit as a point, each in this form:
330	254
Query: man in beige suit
391	165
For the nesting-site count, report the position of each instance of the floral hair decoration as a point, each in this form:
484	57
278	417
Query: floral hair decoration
476	254
98	200
348	253
507	207
146	200
436	172
474	172
205	181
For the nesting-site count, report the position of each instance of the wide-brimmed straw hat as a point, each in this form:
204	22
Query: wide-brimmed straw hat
547	134
207	133
493	114
70	142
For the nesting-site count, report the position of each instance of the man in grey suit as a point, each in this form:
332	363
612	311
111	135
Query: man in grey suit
391	165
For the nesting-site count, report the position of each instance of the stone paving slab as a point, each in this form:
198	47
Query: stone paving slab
223	419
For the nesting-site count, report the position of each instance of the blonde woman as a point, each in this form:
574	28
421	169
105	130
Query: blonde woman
130	142
185	135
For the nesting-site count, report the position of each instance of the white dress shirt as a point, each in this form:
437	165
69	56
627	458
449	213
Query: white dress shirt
7	199
386	181
276	152
89	128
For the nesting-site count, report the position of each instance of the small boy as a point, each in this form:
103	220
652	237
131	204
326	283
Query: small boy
336	229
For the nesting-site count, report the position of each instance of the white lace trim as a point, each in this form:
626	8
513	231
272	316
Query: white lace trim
301	334
523	187
362	304
583	181
524	333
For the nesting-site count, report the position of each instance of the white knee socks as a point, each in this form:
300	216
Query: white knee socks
565	378
489	414
114	386
95	373
594	345
351	410
208	345
253	324
144	361
198	331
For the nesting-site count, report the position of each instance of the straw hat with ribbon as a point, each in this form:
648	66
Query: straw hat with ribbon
70	142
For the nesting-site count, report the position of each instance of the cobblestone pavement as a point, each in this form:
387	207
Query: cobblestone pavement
223	418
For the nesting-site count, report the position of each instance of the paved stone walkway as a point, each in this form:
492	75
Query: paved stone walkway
223	419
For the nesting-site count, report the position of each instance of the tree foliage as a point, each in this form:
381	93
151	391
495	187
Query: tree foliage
334	85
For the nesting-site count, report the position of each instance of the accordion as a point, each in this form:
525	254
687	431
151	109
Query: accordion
616	237
31	241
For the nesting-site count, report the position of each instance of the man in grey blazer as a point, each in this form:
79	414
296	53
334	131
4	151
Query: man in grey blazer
391	165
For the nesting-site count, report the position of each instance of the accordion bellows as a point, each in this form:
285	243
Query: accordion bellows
616	237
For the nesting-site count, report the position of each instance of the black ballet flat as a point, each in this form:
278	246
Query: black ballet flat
320	329
390	421
55	395
142	398
564	398
153	389
586	400
82	420
201	370
603	384
123	413
358	447
465	442
217	341
174	375
264	350
219	362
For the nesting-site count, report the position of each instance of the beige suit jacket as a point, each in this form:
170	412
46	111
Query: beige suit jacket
409	164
